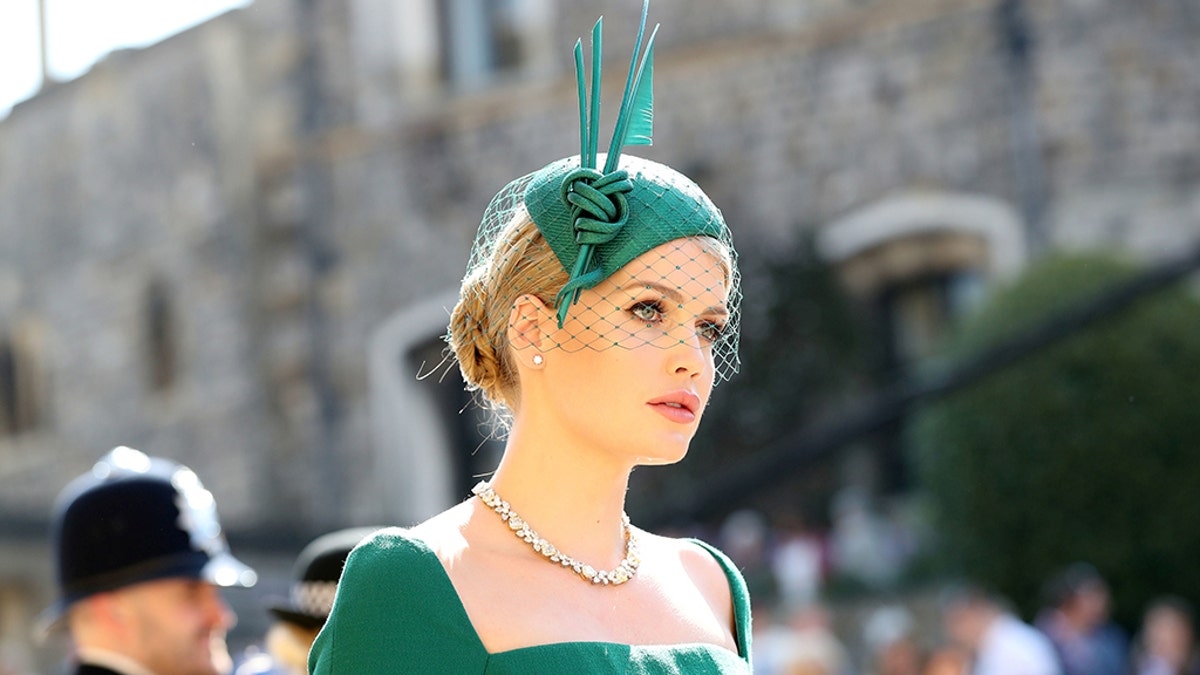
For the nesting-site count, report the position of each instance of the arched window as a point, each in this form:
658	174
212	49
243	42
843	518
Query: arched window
431	441
161	343
480	39
922	260
22	390
471	431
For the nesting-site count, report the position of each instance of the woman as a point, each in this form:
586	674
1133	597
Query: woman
598	310
1166	645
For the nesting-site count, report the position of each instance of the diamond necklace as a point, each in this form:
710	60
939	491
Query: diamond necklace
619	575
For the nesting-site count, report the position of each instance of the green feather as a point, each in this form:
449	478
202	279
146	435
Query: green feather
618	138
594	130
583	113
641	112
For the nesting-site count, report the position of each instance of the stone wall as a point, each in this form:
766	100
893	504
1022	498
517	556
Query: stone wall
287	212
190	163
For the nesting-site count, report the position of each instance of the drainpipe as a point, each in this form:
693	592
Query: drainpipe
43	50
1017	45
321	258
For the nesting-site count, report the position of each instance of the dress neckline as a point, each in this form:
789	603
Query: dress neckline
460	610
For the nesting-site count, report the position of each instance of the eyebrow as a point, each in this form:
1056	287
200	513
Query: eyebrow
671	294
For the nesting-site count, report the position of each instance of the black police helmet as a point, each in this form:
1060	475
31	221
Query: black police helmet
136	518
315	577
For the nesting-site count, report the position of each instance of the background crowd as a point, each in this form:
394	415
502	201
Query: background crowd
139	550
805	625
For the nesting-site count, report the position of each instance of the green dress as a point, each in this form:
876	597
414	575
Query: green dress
397	612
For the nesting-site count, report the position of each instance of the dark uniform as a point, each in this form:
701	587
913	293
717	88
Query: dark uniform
135	519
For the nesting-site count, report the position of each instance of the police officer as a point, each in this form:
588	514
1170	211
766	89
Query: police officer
299	618
140	554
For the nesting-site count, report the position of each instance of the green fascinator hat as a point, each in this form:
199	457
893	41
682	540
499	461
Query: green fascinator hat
596	230
600	211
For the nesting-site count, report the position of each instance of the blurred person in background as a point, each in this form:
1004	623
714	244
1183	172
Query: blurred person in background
140	555
797	561
891	644
772	636
745	537
1166	644
810	646
947	659
999	642
1076	619
863	546
298	619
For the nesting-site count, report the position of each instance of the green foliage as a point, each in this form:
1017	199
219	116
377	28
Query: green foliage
1086	450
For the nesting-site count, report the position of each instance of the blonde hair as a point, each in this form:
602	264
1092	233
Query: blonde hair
521	263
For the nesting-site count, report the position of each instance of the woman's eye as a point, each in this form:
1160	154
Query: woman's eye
710	330
648	311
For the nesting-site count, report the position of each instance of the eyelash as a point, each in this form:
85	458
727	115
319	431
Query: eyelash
642	306
652	311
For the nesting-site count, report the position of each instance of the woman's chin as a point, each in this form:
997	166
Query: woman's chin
662	458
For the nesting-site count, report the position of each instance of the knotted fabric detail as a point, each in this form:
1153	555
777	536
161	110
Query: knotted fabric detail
599	209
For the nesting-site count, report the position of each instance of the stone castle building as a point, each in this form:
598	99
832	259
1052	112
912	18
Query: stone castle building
238	247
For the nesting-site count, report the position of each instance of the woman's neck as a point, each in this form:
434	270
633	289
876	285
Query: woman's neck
573	497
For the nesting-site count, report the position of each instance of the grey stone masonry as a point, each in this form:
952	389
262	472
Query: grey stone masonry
203	164
290	175
199	239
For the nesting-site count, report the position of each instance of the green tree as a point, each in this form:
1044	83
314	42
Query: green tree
1086	450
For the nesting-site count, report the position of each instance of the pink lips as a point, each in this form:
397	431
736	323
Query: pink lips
677	406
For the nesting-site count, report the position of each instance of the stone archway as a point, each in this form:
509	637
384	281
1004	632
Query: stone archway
934	217
412	445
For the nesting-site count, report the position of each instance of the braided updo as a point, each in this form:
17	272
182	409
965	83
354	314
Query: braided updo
522	263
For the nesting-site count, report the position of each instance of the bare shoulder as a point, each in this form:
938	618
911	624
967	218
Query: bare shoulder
698	564
444	533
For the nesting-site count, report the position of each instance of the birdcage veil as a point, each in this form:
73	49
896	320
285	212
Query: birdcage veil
589	236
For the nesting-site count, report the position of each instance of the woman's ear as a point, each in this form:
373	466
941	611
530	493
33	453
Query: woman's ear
528	325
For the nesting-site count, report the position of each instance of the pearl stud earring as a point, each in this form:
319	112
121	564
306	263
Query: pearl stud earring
538	360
